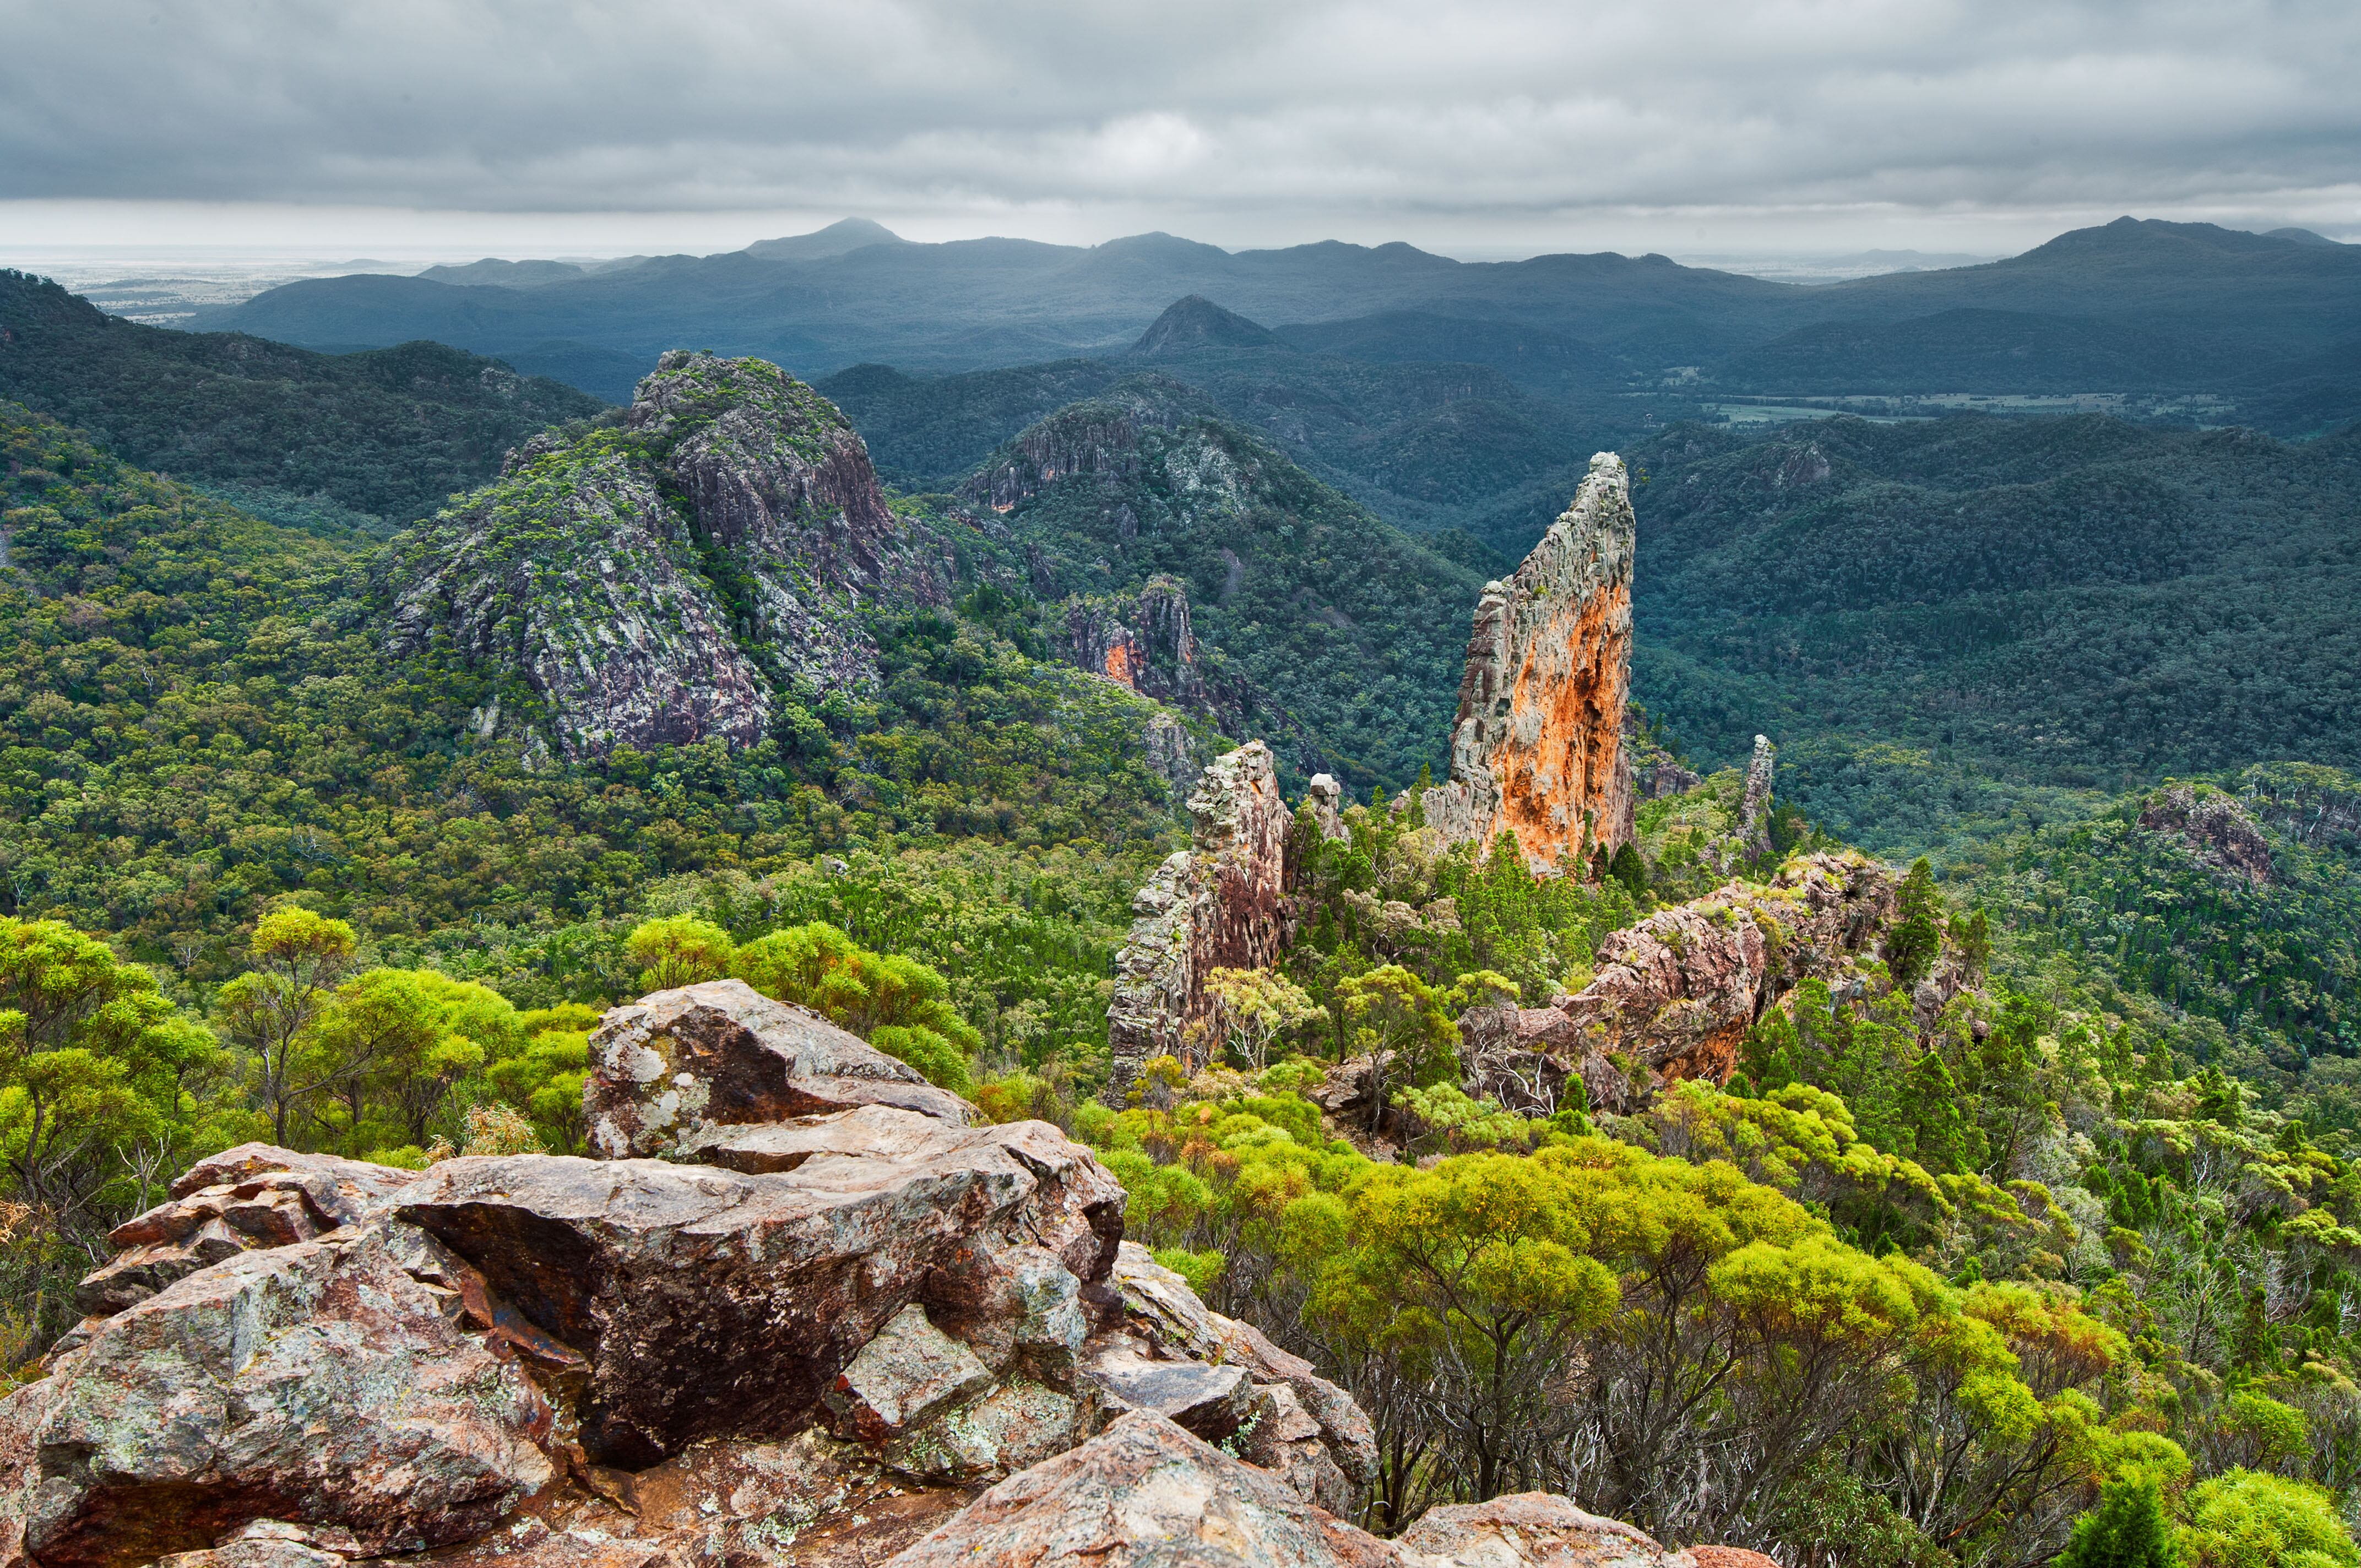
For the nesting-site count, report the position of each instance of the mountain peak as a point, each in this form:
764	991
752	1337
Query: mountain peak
840	237
1197	323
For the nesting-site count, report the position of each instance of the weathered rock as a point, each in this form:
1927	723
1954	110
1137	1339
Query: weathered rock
2216	829
707	1302
908	1372
1338	1453
581	571
1220	904
317	1381
1019	1423
1754	809
1325	797
1532	1529
1729	1557
1674	995
679	1069
1212	1401
1537	749
256	1195
1146	1491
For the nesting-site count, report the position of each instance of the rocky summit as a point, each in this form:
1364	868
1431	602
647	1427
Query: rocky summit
658	580
895	1337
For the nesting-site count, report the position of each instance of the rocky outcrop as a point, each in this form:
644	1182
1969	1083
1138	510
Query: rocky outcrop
251	1196
1754	809
1533	1530
321	1381
550	1362
1099	437
679	1073
1219	904
1148	1491
1674	995
2214	827
583	569
705	1303
1297	1424
1537	749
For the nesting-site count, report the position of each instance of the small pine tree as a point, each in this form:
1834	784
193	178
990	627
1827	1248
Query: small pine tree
1629	869
1917	933
2128	1530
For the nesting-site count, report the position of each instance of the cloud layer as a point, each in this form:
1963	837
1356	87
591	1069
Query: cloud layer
1482	116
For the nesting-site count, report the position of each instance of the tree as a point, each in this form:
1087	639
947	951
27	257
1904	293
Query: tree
298	957
678	951
2128	1530
1398	1022
1257	1006
1917	934
1478	1273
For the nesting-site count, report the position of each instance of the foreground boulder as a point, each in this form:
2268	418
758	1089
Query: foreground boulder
1533	1530
704	1301
1146	1490
319	1381
676	1068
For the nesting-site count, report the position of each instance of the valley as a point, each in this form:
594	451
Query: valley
1822	884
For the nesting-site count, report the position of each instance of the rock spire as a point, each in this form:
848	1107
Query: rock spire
1537	749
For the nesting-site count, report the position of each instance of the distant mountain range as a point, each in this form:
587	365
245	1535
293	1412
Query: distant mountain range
2139	304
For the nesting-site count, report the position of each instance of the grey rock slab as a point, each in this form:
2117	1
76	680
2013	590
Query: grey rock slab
908	1372
669	1070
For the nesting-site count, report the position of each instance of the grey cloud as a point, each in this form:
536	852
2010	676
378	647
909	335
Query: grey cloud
1473	108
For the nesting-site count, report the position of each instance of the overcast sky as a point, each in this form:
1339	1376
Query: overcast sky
1469	126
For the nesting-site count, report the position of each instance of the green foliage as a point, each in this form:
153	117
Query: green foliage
679	950
1353	630
387	433
2245	1520
2128	1530
1917	933
900	1005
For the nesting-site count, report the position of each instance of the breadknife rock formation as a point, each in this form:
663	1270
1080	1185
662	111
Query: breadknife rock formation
1674	995
1537	749
583	570
679	1070
1221	903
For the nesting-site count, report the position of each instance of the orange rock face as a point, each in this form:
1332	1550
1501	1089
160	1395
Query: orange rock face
1538	747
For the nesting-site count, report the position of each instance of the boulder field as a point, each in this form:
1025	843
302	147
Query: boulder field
840	1323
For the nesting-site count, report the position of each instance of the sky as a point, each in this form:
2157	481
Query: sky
1471	127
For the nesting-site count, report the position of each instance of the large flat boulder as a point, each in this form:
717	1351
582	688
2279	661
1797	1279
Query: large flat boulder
706	1301
670	1070
317	1381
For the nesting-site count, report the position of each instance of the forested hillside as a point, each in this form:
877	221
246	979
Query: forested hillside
382	437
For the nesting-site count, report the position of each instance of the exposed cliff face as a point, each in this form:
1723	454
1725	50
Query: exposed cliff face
1537	749
1219	904
653	584
1674	995
2215	828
